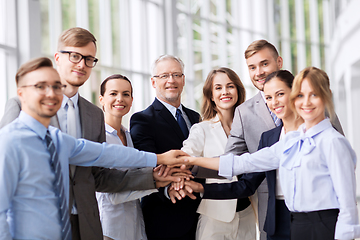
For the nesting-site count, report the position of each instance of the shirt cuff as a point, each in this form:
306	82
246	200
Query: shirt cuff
347	230
151	160
226	165
166	192
195	170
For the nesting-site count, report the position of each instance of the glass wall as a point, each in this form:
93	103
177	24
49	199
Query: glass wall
131	34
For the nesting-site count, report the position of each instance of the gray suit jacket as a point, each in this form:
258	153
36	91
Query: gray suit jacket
251	119
88	179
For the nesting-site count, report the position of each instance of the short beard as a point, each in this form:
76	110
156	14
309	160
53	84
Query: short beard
174	99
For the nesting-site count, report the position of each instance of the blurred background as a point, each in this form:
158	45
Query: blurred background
205	34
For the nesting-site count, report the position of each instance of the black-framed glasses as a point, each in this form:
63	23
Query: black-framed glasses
43	88
167	75
75	57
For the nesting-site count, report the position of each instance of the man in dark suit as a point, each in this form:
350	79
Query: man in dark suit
164	125
74	59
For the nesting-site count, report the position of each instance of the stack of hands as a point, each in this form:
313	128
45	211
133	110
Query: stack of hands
174	172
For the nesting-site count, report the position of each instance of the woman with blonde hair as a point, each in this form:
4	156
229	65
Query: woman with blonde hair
220	219
316	165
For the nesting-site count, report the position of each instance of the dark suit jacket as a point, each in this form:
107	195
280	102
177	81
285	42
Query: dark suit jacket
88	179
156	130
268	139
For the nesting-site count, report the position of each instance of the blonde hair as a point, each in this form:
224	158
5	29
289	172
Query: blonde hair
320	83
258	45
75	37
208	108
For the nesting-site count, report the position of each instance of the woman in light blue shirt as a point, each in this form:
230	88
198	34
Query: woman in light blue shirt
120	213
316	165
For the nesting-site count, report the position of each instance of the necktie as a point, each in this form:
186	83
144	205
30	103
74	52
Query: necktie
182	123
71	119
277	120
71	127
59	188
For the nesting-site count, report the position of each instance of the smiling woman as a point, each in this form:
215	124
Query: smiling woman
120	213
220	219
316	165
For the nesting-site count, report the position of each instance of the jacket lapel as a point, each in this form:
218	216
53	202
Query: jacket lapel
168	117
192	117
276	136
85	119
219	133
263	111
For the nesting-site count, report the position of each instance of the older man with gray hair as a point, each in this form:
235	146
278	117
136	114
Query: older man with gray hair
164	125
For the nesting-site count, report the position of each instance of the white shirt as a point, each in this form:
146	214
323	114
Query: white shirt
173	109
317	172
120	213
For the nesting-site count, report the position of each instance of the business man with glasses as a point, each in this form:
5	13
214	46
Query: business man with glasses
164	125
75	58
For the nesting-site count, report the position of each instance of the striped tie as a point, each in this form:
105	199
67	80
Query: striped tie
181	121
277	120
59	189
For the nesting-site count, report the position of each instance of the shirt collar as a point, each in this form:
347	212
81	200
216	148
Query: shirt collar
74	99
171	108
263	96
318	128
33	124
112	130
300	143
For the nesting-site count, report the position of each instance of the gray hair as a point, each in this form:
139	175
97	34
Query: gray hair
166	57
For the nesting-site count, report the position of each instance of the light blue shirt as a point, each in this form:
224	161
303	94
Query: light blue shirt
317	172
27	198
62	114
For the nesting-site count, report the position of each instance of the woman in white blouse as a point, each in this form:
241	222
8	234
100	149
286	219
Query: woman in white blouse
120	213
316	165
222	93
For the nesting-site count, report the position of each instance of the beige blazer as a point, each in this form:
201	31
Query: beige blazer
208	139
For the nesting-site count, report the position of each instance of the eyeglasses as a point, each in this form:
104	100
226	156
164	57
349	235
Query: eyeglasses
43	88
167	75
75	57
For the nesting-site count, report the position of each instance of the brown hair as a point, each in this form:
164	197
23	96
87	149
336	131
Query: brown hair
75	37
258	45
283	75
208	108
114	76
320	83
30	66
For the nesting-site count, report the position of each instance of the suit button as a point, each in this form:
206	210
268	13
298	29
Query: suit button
73	183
